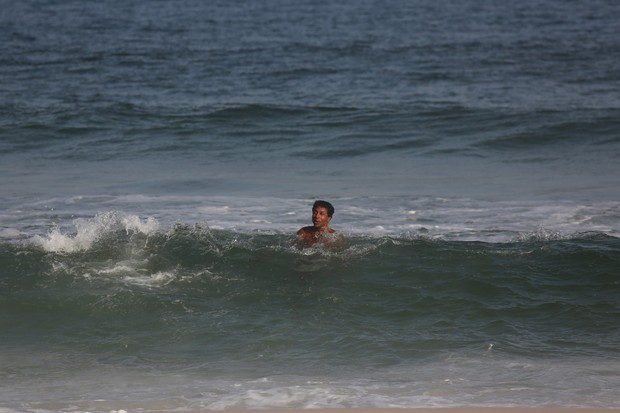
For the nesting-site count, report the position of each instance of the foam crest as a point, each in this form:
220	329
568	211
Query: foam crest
320	394
541	234
158	279
88	231
9	233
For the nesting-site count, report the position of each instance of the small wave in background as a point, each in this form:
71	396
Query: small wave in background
156	162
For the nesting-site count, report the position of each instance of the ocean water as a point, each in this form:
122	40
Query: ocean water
157	158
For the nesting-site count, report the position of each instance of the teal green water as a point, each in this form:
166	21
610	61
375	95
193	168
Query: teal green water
217	306
157	158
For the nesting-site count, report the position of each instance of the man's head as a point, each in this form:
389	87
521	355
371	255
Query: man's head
324	204
321	215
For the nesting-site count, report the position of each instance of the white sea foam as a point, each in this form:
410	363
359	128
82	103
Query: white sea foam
88	231
158	279
451	219
10	233
316	394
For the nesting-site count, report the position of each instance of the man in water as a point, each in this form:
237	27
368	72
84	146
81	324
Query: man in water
320	231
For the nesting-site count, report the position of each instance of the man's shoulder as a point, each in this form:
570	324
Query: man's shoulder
306	230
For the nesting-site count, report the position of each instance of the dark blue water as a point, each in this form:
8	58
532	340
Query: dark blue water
157	158
424	98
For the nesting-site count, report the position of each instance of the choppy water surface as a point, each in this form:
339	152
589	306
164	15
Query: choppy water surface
156	161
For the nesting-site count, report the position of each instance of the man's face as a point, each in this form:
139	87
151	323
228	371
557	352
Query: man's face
320	219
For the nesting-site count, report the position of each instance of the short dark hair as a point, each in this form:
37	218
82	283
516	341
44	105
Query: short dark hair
324	204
